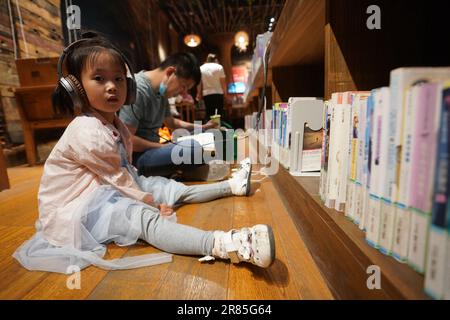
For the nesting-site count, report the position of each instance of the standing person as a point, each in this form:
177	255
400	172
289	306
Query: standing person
213	87
91	195
175	76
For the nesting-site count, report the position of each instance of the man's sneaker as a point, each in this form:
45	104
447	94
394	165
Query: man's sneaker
255	245
240	182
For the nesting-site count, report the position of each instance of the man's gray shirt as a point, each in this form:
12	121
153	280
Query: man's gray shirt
148	112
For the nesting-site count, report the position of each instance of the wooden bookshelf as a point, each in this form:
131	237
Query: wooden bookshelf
324	46
339	247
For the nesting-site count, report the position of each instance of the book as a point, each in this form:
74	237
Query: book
335	105
360	180
304	135
436	268
323	188
447	261
426	101
386	220
374	204
205	139
401	209
352	209
312	150
352	154
366	165
401	80
342	156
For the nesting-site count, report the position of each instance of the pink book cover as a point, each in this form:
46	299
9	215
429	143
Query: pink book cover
423	153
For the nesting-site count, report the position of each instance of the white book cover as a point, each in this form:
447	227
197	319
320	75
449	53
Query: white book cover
400	80
366	162
386	215
343	150
400	210
335	105
205	139
304	134
360	181
350	203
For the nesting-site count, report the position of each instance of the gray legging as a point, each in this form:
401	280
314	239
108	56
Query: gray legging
174	237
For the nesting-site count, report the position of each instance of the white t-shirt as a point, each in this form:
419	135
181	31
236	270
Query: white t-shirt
211	74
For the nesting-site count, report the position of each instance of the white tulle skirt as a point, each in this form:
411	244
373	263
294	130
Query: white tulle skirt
107	216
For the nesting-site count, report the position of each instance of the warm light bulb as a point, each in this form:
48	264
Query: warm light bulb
241	40
192	40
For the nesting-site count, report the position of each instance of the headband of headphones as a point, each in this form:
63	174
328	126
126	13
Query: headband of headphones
75	89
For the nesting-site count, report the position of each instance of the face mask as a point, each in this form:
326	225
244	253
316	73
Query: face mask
162	89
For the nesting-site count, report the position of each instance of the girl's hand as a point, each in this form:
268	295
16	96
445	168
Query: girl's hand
165	210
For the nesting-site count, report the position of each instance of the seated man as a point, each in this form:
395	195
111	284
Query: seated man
176	75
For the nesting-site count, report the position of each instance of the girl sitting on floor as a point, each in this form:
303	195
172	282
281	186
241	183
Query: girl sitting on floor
91	195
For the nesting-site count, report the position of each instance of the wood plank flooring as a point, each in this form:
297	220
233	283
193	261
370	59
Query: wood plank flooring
294	275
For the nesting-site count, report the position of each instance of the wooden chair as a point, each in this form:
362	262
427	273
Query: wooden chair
186	110
36	112
4	181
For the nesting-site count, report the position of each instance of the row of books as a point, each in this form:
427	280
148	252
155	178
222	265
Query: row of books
385	158
262	42
293	130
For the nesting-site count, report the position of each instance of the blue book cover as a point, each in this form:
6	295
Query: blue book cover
436	269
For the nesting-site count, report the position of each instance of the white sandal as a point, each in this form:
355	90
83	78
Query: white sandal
255	245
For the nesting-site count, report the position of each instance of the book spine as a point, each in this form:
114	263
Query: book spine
401	214
367	163
352	162
324	158
403	211
332	163
422	170
343	153
436	268
386	216
447	265
373	220
360	176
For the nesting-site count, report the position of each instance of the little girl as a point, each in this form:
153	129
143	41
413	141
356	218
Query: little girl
90	195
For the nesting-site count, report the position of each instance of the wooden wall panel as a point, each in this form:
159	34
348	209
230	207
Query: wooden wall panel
37	34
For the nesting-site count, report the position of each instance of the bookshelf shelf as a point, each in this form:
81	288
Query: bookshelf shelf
339	247
324	46
298	37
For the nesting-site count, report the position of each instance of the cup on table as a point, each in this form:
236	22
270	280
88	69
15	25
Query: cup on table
216	119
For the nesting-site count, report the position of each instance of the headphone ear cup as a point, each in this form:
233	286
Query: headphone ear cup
131	91
75	90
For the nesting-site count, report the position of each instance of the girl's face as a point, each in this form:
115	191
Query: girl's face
105	84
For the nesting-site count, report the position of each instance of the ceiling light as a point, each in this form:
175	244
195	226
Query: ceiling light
241	40
192	40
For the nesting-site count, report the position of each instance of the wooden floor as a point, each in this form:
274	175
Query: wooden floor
294	274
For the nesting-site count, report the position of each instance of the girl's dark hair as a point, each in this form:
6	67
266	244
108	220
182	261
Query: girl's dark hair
83	54
186	64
